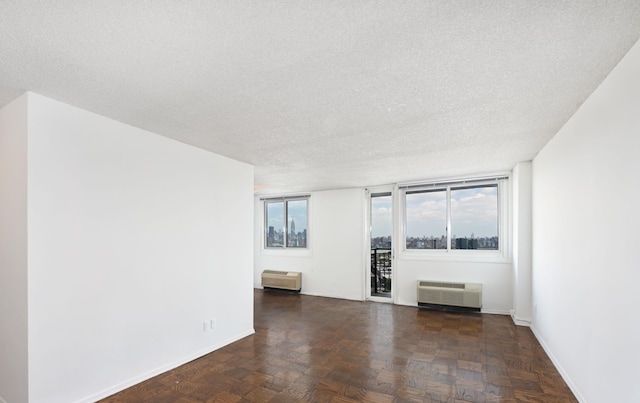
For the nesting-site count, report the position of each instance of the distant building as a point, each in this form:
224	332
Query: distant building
466	243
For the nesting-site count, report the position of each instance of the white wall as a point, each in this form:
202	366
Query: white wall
586	241
494	276
134	241
334	264
521	181
13	252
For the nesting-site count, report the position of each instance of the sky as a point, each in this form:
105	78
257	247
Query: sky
473	211
381	216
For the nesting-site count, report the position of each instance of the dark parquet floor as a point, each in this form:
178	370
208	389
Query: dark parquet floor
313	349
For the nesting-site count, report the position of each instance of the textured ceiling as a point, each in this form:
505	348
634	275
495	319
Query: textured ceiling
322	94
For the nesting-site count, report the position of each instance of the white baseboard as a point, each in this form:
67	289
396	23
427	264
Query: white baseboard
315	294
148	375
556	363
483	310
519	321
406	303
494	311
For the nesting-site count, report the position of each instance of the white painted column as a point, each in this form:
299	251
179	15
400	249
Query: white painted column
521	182
13	252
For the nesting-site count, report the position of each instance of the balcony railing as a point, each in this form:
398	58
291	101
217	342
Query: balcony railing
380	271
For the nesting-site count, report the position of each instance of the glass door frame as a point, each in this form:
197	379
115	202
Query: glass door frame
370	193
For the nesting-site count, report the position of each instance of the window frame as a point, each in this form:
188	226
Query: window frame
285	211
499	254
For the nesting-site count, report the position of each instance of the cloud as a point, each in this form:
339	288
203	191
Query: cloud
426	214
381	216
473	210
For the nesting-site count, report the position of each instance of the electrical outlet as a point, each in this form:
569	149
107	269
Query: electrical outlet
204	326
212	324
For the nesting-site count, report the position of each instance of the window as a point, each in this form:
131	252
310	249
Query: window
286	222
459	215
426	219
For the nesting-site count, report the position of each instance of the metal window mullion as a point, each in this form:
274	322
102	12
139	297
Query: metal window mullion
499	218
285	224
449	219
283	198
460	182
404	219
265	234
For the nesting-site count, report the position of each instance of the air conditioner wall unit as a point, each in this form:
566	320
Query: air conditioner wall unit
284	280
443	295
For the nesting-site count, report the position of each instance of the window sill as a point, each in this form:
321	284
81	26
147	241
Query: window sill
457	256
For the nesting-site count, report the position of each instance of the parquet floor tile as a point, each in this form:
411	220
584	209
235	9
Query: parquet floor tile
314	349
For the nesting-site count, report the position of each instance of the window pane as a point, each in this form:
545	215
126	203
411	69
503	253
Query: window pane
381	221
426	220
297	223
275	224
474	217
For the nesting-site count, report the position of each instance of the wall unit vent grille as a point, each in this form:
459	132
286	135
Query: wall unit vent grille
285	280
463	295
